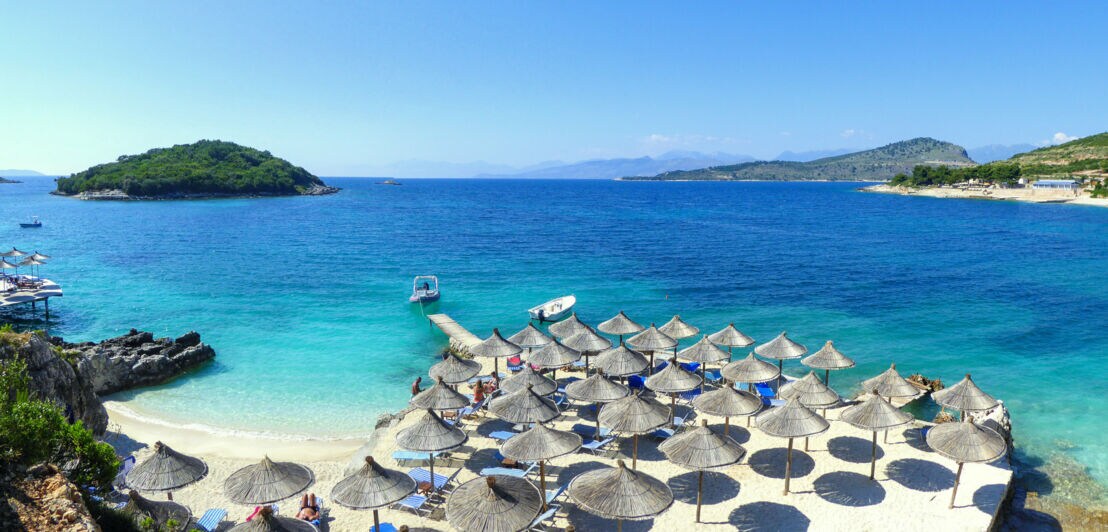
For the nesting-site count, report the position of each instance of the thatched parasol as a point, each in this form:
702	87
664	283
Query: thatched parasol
750	370
827	359
553	356
496	503
620	493
650	340
430	434
530	337
965	397
30	262
781	349
793	420
567	327
267	481
875	414
634	415
964	442
527	377
539	444
700	449
890	384
439	397
495	347
267	521
677	328
810	391
454	370
39	256
166	470
728	402
621	361
524	406
139	507
13	253
372	487
673	380
588	343
620	325
704	352
730	337
596	389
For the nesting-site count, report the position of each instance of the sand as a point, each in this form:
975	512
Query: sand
1007	194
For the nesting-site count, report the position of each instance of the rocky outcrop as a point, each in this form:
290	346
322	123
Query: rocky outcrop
54	379
136	359
925	384
42	499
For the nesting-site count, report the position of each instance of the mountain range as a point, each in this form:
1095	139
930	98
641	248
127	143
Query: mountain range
19	173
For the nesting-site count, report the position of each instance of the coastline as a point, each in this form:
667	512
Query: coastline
119	195
997	194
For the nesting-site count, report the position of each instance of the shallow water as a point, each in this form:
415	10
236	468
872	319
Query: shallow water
305	299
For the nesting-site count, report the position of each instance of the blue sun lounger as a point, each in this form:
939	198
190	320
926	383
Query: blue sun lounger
419	474
552	495
507	471
211	519
385	527
764	390
413	456
415	503
597	447
589	431
539	524
502	435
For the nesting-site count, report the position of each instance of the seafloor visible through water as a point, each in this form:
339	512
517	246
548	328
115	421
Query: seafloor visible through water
306	299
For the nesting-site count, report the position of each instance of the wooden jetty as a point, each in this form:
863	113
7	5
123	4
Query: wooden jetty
10	295
459	336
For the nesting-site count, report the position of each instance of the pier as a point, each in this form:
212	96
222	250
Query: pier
458	334
11	294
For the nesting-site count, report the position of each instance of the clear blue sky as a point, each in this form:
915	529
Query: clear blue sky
339	87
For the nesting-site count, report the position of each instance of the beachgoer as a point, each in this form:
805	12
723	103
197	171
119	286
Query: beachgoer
542	316
309	509
403	528
415	386
478	393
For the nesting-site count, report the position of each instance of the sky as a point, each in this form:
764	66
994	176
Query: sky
344	88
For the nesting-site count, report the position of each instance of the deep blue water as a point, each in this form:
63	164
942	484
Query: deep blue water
305	299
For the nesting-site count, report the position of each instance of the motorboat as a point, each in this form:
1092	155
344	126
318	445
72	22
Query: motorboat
425	289
388	182
34	223
553	310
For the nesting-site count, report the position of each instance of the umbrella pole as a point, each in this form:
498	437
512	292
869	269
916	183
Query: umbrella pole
376	521
652	362
169	495
957	478
805	443
748	421
542	482
873	457
788	465
886	437
596	436
702	374
635	452
673	410
586	363
826	376
434	488
729	353
619	525
699	490
726	426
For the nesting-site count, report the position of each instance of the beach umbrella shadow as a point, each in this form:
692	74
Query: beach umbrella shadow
491	425
718	487
920	475
739	434
481	459
852	449
987	497
568	472
849	489
582	520
914	438
648	449
771	463
768	516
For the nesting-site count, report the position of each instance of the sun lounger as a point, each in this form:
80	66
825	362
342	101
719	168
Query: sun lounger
763	389
211	519
502	435
515	364
414	456
589	431
552	495
125	466
597	447
507	471
422	475
539	523
691	367
385	527
689	395
559	400
415	503
713	375
636	382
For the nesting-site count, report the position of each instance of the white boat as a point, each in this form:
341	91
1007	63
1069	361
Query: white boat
553	310
425	289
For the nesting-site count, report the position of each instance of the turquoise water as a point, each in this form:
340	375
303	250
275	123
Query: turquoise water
305	299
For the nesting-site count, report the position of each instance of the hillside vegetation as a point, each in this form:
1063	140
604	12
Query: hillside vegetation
207	167
878	164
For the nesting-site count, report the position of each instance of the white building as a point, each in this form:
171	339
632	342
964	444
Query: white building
1055	184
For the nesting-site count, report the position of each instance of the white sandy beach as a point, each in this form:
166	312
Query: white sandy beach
1007	194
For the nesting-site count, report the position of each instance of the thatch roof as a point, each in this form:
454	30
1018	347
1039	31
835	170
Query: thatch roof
673	379
729	336
30	261
793	420
267	481
677	328
587	340
965	396
965	441
5	265
524	406
727	402
651	339
750	369
372	486
160	511
530	336
567	327
267	521
620	493
596	389
495	503
874	414
634	414
703	351
702	448
495	346
540	443
811	392
39	256
890	384
165	470
620	325
621	361
554	355
527	377
439	397
13	253
781	348
828	358
454	370
430	434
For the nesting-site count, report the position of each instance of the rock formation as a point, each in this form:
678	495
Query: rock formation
42	499
136	359
54	379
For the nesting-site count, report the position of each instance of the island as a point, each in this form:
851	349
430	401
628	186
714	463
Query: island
878	164
204	169
4	180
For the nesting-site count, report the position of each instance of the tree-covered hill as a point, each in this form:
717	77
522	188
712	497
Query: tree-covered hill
204	168
878	164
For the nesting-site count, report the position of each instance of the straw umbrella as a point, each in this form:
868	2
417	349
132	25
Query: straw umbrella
588	343
268	521
454	370
620	325
781	349
160	511
496	503
530	337
731	338
703	352
372	487
750	370
620	493
166	470
965	397
620	361
728	402
553	356
875	414
963	442
31	263
13	253
439	397
430	434
267	481
524	406
528	378
678	329
673	380
793	420
700	449
811	392
567	327
39	256
539	444
495	347
635	415
650	340
827	359
890	384
596	389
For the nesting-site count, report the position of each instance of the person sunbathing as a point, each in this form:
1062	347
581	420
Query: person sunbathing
478	393
309	509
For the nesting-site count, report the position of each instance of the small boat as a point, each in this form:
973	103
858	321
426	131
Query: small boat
34	223
425	289
553	310
387	182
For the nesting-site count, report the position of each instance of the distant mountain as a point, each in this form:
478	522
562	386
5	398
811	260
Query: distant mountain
1084	155
19	173
805	156
414	168
613	168
997	152
878	164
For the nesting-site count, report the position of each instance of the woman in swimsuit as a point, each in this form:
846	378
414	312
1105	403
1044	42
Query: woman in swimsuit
309	509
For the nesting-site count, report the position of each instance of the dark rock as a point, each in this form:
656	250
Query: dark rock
137	359
188	339
55	380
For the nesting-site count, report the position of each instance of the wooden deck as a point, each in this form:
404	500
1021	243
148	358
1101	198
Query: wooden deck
458	334
11	296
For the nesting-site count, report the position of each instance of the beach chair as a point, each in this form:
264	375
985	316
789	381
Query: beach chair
413	456
691	367
688	396
502	435
539	524
422	475
560	401
515	364
125	466
417	504
211	519
764	389
589	431
597	447
713	375
385	527
636	382
552	495
508	471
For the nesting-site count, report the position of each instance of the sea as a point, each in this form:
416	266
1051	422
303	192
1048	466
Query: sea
305	299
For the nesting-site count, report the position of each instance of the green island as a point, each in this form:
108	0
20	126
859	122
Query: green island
4	180
208	168
878	164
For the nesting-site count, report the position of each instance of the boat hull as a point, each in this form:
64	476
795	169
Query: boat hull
30	225
424	297
554	310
